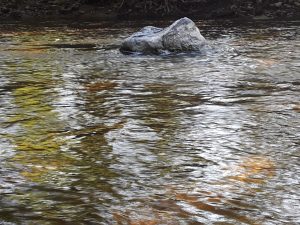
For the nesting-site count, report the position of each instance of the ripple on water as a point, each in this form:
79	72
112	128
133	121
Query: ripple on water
89	135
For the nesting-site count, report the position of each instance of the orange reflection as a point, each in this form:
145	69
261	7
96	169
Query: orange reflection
196	202
296	108
146	216
256	169
265	63
122	219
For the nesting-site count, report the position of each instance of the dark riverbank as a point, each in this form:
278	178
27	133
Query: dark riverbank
130	9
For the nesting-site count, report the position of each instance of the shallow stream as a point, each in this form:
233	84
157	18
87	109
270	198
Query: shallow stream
91	136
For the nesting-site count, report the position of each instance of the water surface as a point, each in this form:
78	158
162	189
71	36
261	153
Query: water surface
91	136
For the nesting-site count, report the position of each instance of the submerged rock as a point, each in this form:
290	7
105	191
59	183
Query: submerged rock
182	36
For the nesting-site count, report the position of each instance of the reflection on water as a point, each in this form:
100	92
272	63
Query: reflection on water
91	136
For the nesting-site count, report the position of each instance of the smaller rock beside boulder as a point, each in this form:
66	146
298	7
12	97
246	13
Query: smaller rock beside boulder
182	36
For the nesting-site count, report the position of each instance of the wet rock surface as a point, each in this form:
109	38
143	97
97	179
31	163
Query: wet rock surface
182	36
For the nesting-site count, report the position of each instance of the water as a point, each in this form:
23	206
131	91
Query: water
91	136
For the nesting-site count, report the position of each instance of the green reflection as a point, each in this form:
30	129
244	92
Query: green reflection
36	137
69	166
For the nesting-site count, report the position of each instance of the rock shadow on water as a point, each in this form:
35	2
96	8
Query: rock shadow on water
82	46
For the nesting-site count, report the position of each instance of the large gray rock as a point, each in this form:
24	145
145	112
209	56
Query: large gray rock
182	36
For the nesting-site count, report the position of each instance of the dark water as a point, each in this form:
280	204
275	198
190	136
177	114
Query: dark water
91	136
